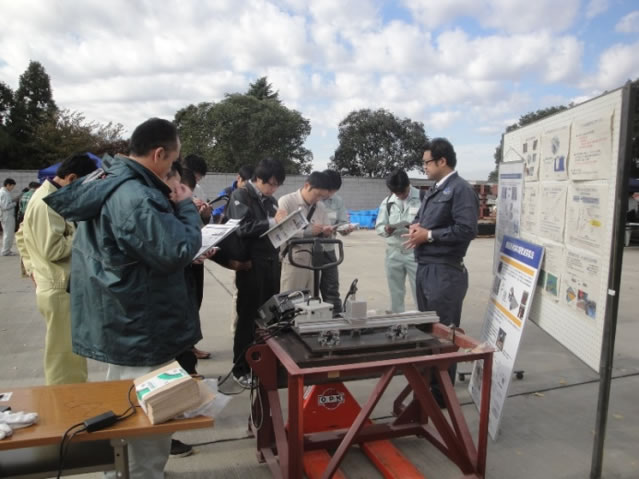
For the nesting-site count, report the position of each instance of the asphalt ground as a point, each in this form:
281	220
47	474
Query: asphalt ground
548	425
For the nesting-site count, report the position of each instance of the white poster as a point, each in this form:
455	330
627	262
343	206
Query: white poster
529	208
510	302
581	283
531	153
552	211
511	183
551	271
555	147
587	207
591	148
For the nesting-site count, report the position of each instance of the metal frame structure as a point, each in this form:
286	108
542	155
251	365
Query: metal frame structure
282	445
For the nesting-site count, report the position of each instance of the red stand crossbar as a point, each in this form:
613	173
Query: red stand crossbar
329	407
283	447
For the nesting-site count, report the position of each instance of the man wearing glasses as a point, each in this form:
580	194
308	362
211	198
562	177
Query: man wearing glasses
445	225
256	207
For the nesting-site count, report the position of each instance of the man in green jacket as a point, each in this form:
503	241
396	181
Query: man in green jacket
44	242
130	305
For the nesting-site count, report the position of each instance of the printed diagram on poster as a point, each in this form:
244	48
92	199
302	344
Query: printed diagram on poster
591	148
586	210
511	183
552	211
510	302
529	209
551	271
530	150
581	283
555	147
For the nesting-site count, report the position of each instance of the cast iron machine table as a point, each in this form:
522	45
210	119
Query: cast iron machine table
285	361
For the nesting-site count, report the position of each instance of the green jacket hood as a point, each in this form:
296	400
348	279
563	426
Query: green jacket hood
83	199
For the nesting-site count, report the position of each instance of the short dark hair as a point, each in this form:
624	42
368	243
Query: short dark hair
196	164
334	178
34	184
442	148
319	180
269	168
397	181
246	172
153	133
176	169
79	164
188	178
9	181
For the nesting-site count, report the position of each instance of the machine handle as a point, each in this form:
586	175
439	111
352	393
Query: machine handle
317	252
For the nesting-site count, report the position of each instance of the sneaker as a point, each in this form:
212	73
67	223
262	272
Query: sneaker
10	253
179	449
244	381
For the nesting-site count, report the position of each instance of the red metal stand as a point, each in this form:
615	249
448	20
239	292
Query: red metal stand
417	413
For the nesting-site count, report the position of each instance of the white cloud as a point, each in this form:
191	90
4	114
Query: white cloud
617	64
596	7
629	23
515	16
441	120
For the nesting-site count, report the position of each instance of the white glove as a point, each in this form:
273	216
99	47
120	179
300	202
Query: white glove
5	430
16	420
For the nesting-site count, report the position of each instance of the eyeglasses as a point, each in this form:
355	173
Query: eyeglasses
428	161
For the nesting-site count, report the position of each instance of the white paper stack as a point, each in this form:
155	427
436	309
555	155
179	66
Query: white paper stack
167	392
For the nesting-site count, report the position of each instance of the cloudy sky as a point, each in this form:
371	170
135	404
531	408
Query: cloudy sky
465	68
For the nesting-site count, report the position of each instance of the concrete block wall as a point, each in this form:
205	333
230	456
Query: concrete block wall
358	193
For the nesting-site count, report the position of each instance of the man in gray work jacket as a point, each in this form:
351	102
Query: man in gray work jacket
445	225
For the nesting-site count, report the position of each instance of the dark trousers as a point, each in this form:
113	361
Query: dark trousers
329	283
442	288
254	287
187	359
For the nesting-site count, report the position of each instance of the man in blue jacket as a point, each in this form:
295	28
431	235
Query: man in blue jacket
445	225
130	305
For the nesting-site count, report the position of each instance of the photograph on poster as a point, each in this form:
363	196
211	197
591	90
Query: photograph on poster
581	283
551	269
555	148
586	210
591	148
530	149
552	211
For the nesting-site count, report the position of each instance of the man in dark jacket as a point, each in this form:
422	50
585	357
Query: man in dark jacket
445	225
255	206
130	305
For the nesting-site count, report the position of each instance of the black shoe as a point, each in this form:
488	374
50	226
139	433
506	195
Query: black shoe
179	449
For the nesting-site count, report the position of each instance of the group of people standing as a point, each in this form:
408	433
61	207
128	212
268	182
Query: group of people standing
111	253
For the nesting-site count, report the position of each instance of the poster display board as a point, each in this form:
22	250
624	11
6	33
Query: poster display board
568	208
511	183
510	301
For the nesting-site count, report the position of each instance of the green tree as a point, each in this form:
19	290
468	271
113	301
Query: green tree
243	128
6	102
374	143
262	90
32	107
68	132
524	120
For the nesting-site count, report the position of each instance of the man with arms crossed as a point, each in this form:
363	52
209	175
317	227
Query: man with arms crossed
128	294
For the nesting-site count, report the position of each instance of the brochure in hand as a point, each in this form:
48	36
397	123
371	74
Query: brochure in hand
287	228
213	234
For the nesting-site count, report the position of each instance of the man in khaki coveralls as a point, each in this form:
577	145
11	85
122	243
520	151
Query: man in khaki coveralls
315	188
44	242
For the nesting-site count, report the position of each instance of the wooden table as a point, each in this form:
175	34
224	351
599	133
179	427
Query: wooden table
33	451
